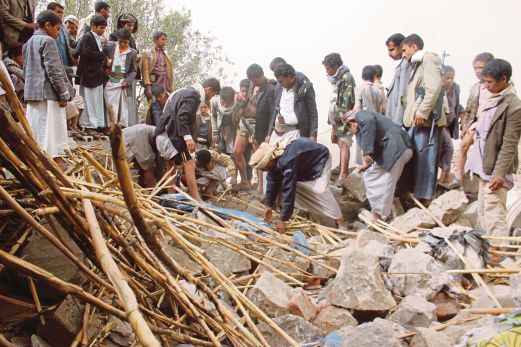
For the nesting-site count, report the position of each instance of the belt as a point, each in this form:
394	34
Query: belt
284	128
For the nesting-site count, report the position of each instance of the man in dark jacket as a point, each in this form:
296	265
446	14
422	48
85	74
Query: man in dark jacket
177	128
386	148
494	158
90	75
295	112
299	170
254	121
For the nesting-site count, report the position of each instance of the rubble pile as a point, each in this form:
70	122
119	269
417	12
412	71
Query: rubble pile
89	258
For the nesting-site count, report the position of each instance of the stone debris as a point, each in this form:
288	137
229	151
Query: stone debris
302	305
502	293
380	332
413	219
358	284
271	295
413	312
332	318
413	272
449	206
426	337
515	284
354	183
296	327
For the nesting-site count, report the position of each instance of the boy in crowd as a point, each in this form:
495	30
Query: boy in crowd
204	128
453	110
212	169
478	97
47	88
156	66
123	70
14	62
224	112
90	75
368	96
378	84
494	158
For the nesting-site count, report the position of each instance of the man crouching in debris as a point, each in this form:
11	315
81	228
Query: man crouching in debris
140	146
212	169
386	148
298	169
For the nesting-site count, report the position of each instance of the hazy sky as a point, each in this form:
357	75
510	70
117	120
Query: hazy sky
303	32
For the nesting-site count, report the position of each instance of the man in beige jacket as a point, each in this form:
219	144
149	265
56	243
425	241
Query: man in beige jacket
423	91
156	66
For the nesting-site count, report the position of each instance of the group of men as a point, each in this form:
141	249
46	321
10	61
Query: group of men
403	134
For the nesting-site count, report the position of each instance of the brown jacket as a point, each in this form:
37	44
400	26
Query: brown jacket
148	61
500	153
12	12
426	74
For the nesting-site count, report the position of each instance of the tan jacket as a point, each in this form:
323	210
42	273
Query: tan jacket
426	74
148	61
12	16
222	160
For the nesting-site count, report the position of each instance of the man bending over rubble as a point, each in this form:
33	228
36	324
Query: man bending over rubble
140	146
299	169
386	148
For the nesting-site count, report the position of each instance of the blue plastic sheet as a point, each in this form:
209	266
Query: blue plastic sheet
180	202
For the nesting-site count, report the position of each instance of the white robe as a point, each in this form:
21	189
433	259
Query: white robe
48	123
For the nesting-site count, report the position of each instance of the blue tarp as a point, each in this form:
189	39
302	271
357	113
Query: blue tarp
180	202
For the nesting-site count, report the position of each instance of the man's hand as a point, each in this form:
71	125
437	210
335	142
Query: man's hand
367	159
281	227
148	92
267	139
216	139
268	214
362	168
418	121
30	26
124	85
190	145
62	103
463	132
496	183
313	138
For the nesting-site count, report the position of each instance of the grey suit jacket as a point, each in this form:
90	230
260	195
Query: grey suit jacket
45	77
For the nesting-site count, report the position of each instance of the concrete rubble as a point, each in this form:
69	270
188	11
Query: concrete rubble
413	312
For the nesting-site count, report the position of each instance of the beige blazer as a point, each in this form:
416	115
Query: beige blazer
12	15
148	61
426	74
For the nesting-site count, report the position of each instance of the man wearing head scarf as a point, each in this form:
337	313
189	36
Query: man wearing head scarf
298	169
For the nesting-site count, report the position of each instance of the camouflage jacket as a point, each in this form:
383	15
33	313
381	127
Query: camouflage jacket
342	100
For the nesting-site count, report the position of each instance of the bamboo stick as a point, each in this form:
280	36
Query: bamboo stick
489	310
36	299
121	287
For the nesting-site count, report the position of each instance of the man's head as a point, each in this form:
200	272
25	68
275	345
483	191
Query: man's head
285	75
496	75
98	24
202	158
448	77
227	97
102	9
212	87
265	157
275	62
369	73
480	61
56	8
410	45
394	46
50	23
127	21
16	54
379	71
124	37
159	94
160	39
72	24
332	62
256	75
244	85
